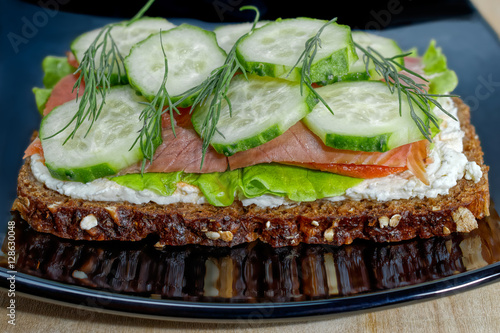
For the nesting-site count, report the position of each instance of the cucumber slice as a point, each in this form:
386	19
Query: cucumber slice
105	149
383	45
273	50
125	36
192	54
366	117
228	34
262	109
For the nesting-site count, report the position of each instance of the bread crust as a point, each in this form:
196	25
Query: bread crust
318	222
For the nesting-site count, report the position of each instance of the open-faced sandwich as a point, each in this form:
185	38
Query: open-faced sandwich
288	131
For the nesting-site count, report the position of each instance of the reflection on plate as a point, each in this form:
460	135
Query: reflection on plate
256	272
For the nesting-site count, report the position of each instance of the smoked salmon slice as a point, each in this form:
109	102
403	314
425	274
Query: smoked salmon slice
183	119
63	92
417	160
415	65
182	152
299	146
72	59
35	147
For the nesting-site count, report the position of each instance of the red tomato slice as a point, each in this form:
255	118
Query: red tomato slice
416	160
356	170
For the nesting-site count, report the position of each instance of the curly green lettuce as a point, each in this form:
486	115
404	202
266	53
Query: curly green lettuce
442	79
222	188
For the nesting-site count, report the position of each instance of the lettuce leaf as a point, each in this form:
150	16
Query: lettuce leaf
41	97
54	69
443	80
413	52
161	183
296	183
221	188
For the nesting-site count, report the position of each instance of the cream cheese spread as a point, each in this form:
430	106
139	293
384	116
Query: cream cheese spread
103	189
449	165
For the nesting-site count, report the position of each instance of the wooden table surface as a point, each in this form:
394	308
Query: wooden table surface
476	310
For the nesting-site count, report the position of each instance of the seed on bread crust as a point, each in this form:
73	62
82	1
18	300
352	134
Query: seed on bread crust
383	221
226	236
465	220
53	207
88	222
394	221
446	231
113	212
329	233
213	235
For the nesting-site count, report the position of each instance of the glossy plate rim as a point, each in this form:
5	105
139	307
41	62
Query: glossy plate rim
213	312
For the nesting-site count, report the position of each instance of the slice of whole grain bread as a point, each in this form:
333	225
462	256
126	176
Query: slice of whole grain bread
318	222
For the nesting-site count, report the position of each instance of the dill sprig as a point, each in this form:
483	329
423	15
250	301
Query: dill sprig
141	12
212	90
216	86
306	60
96	73
406	87
389	69
150	135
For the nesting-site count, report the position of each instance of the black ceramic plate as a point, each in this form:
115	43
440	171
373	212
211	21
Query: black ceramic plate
253	281
250	282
